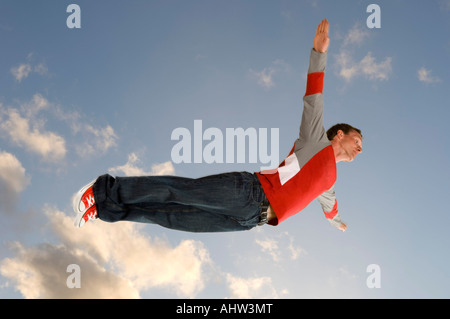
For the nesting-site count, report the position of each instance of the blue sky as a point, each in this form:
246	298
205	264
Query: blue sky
105	98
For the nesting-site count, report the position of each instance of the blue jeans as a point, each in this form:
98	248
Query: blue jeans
217	203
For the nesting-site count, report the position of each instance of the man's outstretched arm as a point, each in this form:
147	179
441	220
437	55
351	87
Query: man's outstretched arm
311	127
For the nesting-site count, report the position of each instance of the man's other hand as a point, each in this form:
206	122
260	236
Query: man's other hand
342	227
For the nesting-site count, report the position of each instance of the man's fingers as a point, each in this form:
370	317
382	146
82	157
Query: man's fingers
321	38
322	27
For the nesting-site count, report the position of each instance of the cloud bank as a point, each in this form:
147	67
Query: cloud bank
13	180
116	261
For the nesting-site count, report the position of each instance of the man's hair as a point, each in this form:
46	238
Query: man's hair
346	128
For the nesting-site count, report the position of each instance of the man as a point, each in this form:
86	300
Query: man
238	200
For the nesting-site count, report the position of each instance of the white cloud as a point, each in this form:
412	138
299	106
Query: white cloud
265	77
368	67
91	139
165	168
280	246
270	246
373	70
97	140
41	69
251	288
37	104
31	135
12	172
425	76
26	127
23	70
347	68
116	261
355	36
40	272
131	168
13	180
341	277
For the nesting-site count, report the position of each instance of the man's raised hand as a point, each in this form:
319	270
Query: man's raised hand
321	40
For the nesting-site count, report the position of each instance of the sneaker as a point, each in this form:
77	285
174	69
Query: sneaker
84	199
83	218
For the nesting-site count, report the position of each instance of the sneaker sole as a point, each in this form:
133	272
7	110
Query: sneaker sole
79	221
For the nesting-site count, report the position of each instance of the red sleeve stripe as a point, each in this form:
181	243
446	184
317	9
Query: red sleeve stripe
314	83
333	212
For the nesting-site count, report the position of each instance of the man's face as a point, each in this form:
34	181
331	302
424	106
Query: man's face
351	143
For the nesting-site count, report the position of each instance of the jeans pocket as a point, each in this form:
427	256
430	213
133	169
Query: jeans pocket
254	193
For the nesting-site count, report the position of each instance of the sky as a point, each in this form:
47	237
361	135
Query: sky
76	103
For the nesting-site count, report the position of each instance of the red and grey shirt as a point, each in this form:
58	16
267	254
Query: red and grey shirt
309	171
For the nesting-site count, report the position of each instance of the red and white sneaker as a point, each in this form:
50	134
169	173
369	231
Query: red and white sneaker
84	199
90	214
84	205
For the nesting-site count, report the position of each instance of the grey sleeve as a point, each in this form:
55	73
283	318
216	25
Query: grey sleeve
329	206
311	127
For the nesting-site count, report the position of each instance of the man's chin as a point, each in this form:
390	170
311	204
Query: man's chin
350	158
